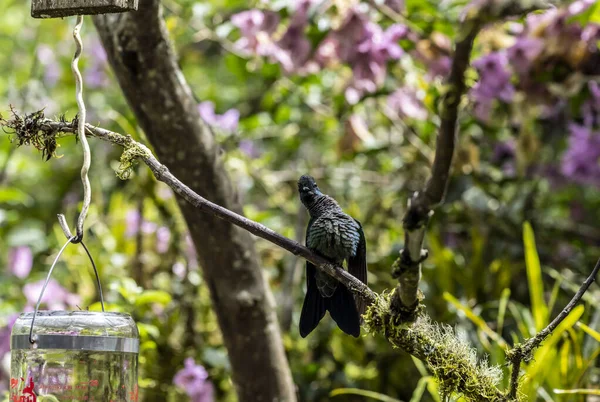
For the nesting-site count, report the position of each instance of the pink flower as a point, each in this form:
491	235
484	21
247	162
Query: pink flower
163	236
406	103
132	222
193	379
523	53
20	261
55	296
255	27
228	121
52	69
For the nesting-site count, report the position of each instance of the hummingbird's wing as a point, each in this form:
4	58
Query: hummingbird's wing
357	265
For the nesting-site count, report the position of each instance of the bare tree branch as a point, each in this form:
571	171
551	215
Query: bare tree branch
523	351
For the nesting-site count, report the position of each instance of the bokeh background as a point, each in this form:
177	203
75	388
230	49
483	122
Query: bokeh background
349	92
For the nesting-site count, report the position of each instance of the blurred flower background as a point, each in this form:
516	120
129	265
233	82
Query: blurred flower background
348	92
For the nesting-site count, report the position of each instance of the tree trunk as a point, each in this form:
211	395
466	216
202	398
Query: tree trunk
141	55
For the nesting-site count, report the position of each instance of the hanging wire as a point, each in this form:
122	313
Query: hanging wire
87	192
37	305
63	224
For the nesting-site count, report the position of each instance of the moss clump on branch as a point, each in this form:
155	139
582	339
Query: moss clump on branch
27	130
453	362
36	130
131	153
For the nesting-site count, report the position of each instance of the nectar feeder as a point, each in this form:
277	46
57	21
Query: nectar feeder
77	356
65	8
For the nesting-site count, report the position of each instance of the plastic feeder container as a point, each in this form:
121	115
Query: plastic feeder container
76	356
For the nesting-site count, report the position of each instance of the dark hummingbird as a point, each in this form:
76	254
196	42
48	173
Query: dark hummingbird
338	237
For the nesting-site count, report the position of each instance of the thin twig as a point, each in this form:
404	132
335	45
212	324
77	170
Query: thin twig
523	351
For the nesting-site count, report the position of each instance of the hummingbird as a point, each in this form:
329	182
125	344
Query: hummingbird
337	237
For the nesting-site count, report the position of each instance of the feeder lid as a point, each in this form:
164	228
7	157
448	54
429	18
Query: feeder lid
77	330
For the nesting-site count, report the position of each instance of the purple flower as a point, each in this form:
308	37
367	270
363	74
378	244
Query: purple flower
581	161
523	53
494	83
163	236
95	75
249	148
502	151
369	60
293	49
494	78
328	51
193	379
579	6
504	156
20	261
179	270
255	27
55	296
228	121
482	110
132	222
52	69
407	104
148	227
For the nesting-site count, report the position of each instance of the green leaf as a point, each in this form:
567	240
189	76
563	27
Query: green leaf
153	296
14	196
502	309
369	394
580	391
475	319
534	278
591	332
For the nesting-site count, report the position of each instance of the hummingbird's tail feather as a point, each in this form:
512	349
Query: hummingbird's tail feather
314	307
342	309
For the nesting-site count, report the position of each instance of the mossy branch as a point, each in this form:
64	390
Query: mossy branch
452	361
